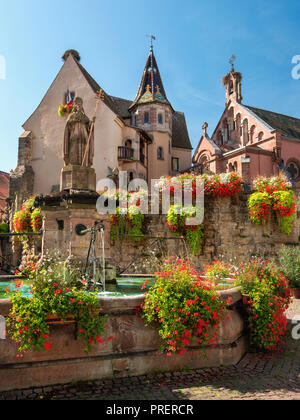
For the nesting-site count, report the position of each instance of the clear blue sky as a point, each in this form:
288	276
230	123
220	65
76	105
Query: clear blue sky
195	39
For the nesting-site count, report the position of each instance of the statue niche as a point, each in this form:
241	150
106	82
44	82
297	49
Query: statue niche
76	137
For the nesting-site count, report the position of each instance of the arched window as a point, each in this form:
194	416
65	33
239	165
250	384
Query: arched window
238	125
160	153
160	119
220	137
260	136
226	130
146	118
245	132
128	143
252	130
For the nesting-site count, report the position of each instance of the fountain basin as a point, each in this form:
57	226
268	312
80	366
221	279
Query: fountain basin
134	349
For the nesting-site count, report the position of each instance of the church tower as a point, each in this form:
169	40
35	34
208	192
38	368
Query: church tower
152	112
233	84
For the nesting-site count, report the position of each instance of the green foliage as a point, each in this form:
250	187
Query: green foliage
59	291
269	296
290	265
36	220
284	208
260	204
28	219
127	223
177	223
183	307
274	196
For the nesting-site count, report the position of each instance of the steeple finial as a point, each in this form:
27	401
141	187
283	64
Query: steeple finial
152	37
231	61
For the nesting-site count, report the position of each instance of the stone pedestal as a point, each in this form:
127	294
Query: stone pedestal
78	178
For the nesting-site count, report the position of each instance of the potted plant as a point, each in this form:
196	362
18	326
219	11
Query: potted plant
289	258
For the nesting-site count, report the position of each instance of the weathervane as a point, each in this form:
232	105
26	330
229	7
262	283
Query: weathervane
152	37
232	60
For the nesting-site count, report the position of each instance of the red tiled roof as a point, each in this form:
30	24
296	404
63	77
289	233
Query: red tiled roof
4	185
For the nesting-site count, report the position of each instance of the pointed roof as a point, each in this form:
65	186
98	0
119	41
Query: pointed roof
151	87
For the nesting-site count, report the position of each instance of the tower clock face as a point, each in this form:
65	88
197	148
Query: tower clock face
294	170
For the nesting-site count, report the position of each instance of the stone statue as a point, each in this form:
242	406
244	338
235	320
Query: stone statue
76	137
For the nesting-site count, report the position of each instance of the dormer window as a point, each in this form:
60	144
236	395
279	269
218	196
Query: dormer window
160	119
146	118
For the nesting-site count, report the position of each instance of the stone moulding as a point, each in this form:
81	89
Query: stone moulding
133	351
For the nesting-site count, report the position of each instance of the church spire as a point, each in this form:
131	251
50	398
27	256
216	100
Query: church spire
151	88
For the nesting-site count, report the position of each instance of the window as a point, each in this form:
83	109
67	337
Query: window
175	164
69	96
160	118
160	153
134	120
146	118
294	170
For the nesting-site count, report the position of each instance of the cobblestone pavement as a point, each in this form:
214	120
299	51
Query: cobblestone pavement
256	377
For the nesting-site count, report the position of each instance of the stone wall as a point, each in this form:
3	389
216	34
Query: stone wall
133	351
228	234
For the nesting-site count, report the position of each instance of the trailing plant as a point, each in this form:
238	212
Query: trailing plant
177	223
57	292
36	220
127	223
260	207
130	219
183	308
284	207
269	297
273	196
22	221
28	219
290	265
221	185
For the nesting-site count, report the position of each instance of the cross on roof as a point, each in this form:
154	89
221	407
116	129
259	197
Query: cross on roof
232	60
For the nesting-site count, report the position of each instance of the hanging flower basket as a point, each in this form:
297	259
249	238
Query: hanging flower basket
66	109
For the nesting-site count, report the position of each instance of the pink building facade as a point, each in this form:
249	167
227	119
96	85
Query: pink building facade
249	140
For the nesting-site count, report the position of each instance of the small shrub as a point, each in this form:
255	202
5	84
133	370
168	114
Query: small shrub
290	265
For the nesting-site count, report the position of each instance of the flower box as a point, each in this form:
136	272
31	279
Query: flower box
54	319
